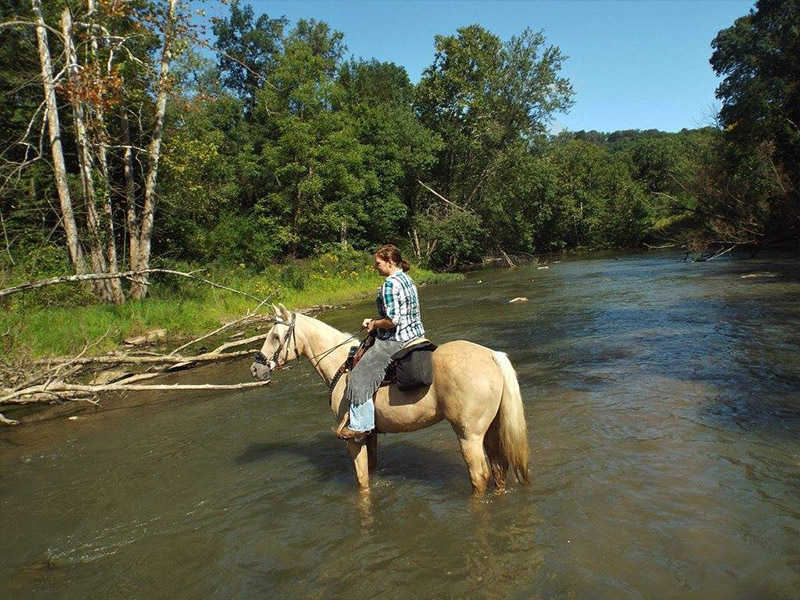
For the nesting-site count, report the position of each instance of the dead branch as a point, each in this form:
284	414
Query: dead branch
248	316
220	351
118	275
60	388
243	342
145	360
50	384
506	258
662	247
438	195
31	24
720	253
6	421
484	174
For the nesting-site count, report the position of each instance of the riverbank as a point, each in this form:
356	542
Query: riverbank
60	322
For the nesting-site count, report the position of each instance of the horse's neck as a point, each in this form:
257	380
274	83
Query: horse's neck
319	339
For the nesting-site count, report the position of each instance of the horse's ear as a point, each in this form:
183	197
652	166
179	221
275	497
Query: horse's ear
285	314
275	312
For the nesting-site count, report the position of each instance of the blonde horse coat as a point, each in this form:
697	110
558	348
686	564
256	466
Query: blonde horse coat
474	388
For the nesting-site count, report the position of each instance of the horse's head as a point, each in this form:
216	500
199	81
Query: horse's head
280	346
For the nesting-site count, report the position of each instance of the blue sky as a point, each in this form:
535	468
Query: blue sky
633	64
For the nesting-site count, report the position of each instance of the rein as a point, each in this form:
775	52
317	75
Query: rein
291	334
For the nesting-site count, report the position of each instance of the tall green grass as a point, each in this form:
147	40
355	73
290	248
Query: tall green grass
185	308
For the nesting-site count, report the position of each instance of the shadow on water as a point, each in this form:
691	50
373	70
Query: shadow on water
398	460
777	416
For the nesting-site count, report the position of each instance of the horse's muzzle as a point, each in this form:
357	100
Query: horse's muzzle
260	371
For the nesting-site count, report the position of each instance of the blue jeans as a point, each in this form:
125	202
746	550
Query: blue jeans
365	379
362	416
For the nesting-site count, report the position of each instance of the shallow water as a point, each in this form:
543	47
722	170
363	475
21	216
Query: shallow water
664	413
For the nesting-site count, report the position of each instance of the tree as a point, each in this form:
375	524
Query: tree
249	50
398	148
56	148
112	61
760	92
599	203
310	155
485	97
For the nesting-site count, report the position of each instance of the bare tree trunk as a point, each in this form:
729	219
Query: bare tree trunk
115	285
130	194
139	289
415	244
99	263
54	128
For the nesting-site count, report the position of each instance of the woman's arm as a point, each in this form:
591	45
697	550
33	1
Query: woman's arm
391	304
383	323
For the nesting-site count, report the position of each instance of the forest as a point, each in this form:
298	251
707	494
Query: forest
135	139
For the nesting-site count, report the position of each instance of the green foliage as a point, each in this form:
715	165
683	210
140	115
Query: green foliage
187	308
248	50
757	57
490	101
459	237
484	96
282	148
760	91
601	205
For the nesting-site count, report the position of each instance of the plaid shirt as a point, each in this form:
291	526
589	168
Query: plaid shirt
398	300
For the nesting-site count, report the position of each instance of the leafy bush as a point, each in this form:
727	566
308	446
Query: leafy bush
454	238
240	239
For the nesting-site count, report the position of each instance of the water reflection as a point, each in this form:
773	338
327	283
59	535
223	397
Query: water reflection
664	418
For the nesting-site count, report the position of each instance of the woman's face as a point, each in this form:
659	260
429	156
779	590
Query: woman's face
384	267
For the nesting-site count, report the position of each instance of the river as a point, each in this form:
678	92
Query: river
663	403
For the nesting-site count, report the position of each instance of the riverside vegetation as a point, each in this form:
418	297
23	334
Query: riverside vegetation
62	320
262	164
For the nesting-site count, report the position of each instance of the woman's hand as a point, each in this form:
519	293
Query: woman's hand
373	324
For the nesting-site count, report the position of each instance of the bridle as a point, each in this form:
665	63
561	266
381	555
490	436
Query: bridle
290	335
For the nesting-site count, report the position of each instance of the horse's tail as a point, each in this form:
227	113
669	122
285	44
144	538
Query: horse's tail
510	447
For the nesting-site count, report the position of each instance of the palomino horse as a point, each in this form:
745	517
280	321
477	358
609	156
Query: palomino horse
474	388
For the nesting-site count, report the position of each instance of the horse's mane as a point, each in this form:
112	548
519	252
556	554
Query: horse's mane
330	329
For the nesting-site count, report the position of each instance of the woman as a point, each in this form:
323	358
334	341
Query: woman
398	323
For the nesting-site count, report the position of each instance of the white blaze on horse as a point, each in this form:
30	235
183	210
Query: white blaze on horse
475	389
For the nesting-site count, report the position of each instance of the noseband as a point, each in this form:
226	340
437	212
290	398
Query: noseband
290	335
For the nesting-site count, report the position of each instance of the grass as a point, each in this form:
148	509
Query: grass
186	309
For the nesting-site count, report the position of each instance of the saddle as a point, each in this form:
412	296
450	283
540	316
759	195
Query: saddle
411	367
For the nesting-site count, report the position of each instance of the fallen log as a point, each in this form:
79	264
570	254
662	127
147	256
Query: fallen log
47	381
59	388
144	360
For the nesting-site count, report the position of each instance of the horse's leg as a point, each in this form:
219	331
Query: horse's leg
472	450
372	451
497	462
358	452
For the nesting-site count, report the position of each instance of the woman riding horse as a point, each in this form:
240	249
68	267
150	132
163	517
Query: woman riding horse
398	324
474	388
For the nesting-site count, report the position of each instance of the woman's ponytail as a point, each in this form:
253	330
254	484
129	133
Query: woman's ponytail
390	253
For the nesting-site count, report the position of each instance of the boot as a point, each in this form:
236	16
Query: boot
345	433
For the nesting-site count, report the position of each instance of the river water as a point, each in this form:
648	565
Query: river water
664	414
